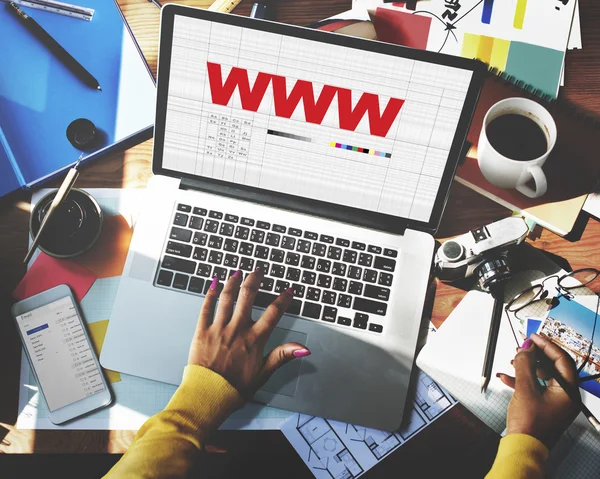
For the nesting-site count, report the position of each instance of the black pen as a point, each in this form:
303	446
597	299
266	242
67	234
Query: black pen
64	56
490	351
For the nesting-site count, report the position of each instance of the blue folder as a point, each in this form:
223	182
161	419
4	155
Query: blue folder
40	97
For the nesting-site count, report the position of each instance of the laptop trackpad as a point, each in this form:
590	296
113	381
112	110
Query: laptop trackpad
285	379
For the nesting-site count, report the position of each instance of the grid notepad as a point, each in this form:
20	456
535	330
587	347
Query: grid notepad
290	115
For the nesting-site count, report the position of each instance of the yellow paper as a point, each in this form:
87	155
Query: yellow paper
97	332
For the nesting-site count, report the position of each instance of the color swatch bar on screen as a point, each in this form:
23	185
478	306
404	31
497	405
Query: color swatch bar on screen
291	136
360	150
486	15
520	14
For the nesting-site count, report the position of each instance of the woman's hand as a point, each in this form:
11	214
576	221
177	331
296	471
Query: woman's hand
231	344
542	412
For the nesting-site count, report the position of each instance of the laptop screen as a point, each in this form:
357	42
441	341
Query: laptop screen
322	121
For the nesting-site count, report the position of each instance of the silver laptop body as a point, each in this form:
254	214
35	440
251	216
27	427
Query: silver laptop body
324	159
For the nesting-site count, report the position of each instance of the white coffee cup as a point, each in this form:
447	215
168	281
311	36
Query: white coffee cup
505	172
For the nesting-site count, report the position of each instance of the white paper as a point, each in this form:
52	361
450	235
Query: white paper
342	450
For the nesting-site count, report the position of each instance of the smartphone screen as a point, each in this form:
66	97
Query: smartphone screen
60	353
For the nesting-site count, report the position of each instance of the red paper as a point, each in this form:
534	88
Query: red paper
402	28
47	272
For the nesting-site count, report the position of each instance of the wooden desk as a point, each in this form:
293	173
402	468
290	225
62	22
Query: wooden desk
457	441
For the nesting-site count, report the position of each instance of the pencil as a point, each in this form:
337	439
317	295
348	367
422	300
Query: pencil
224	6
497	292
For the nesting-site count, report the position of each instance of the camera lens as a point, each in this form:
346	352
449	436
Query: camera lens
492	271
452	251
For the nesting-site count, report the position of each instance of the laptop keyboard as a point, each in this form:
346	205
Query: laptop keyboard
334	279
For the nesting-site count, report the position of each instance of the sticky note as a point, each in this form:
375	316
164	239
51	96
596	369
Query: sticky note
107	257
97	333
47	272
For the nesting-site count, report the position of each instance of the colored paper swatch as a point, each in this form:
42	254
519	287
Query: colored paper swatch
402	28
486	14
520	14
47	272
493	51
359	149
107	257
97	332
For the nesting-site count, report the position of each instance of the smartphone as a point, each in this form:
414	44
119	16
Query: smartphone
61	355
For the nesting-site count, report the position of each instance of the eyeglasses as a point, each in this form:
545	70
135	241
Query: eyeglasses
535	299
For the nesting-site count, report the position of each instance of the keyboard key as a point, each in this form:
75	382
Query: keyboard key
204	270
392	253
323	266
231	245
313	294
369	306
231	261
267	284
263	225
344	321
303	246
340	284
374	249
339	269
293	274
215	257
377	292
278	270
184	208
164	278
247	264
355	288
324	281
295	232
200	211
226	229
180	219
334	253
179	264
384	263
360	321
308	277
277	255
295	307
196	222
207	286
196	285
385	279
247	222
349	256
310	235
215	214
220	273
281	286
263	300
344	301
263	266
246	248
233	271
200	238
376	328
326	239
257	236
211	226
354	272
262	252
292	259
329	314
288	242
365	259
200	254
241	232
319	249
359	246
215	242
329	297
272	239
279	229
342	242
311	310
308	262
298	290
180	234
370	275
232	218
181	281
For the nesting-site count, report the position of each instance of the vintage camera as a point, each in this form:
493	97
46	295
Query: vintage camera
482	252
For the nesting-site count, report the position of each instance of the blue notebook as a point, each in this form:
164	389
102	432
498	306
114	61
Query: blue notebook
40	97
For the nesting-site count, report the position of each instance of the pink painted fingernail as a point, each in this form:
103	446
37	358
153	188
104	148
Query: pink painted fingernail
498	375
258	270
301	353
236	274
289	291
214	284
526	344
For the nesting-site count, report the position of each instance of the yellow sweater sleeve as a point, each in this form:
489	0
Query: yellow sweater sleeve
519	456
168	443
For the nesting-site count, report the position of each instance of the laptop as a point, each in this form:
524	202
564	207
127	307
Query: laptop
325	161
